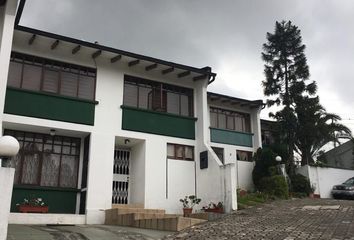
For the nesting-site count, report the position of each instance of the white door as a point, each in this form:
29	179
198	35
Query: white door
120	186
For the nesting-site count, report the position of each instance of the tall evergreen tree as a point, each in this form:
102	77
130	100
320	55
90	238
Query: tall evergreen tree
287	77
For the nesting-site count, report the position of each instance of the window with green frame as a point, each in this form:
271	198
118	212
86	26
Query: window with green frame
50	76
157	96
230	120
44	160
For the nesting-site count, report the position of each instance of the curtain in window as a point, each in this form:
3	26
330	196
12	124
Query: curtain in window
68	174
50	170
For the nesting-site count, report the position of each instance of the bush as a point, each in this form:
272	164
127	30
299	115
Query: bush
275	186
300	184
265	159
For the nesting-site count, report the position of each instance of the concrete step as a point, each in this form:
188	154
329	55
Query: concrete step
167	224
149	219
132	205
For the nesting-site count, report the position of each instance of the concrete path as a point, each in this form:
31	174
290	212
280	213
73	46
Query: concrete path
288	220
81	232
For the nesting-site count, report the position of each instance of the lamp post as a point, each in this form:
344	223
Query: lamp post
278	159
9	147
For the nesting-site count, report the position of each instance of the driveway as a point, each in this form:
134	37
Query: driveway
291	219
81	232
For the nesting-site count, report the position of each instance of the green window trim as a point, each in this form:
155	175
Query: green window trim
53	95
156	112
231	137
160	123
226	130
49	106
60	189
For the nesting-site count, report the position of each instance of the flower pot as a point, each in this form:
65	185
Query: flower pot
187	211
32	209
214	210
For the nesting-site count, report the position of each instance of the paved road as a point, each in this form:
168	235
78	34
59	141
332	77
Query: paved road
291	219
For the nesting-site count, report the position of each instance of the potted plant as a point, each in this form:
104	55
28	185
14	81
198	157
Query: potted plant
313	188
32	205
216	208
188	203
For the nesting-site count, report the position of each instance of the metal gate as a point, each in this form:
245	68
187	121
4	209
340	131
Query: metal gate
120	187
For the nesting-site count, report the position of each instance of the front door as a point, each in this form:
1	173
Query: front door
120	187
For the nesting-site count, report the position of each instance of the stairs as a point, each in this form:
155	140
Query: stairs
137	216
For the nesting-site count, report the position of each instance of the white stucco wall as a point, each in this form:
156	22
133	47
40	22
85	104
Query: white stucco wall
244	175
7	20
181	182
325	178
137	174
6	184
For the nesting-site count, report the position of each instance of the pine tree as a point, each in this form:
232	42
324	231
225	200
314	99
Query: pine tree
287	78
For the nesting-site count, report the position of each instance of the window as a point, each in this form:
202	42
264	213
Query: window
39	74
220	153
224	119
182	152
244	156
157	96
44	160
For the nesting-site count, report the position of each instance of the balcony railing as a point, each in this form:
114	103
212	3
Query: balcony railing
231	137
142	120
49	106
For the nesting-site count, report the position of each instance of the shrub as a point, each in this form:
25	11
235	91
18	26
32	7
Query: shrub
275	186
264	158
300	184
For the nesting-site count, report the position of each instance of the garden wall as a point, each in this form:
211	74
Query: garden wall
323	179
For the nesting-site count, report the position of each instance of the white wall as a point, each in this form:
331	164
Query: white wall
244	175
325	178
7	20
137	174
181	182
6	184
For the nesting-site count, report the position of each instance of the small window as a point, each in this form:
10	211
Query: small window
181	152
244	156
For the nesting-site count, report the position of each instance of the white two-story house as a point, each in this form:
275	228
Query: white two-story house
100	126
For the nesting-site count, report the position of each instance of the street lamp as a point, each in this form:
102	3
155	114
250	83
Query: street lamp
278	159
9	147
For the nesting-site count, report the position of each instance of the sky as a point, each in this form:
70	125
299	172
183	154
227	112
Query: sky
226	35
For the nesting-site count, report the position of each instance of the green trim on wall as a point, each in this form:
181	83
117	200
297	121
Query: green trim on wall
231	137
59	200
143	120
49	106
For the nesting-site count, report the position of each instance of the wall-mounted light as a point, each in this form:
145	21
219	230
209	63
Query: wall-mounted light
52	132
126	141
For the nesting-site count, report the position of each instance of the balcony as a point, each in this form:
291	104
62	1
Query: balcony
147	121
231	137
49	106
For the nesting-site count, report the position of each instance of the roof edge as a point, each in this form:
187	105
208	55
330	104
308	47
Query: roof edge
257	102
204	71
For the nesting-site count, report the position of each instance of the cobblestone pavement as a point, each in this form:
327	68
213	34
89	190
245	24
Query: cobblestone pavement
291	219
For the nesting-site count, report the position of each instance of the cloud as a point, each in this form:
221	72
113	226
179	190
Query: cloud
226	35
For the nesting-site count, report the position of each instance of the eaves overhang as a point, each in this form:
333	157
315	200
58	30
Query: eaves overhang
235	101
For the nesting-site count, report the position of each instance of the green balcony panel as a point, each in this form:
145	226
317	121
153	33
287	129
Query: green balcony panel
49	106
58	200
231	137
142	120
